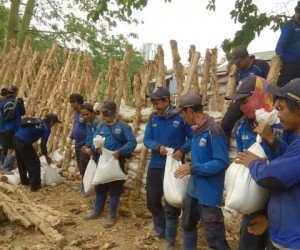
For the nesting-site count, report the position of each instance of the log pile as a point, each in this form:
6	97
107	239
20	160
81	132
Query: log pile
16	207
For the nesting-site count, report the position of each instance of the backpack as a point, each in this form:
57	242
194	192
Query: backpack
29	121
9	109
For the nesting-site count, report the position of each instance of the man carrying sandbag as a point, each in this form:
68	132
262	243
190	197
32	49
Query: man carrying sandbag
251	96
31	130
120	139
207	171
164	129
282	175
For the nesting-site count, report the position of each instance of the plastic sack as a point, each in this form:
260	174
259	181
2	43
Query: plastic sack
98	141
51	176
242	192
88	176
57	158
108	169
270	118
13	178
174	189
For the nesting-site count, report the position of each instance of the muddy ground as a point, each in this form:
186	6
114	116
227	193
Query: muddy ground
132	230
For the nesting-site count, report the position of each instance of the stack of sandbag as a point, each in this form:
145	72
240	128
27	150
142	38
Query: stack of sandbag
50	173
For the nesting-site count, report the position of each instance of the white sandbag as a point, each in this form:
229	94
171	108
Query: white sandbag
242	192
88	176
98	141
140	139
51	176
57	158
174	189
108	169
13	178
270	118
139	147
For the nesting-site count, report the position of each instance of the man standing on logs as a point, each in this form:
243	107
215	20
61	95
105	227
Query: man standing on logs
78	133
246	65
164	129
12	111
31	130
288	48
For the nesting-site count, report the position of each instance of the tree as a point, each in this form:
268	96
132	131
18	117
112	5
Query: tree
245	12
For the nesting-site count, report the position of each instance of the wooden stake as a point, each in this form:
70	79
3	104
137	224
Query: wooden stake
274	72
206	76
191	76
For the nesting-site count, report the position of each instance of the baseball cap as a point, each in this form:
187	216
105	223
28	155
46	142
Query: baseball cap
87	106
12	89
159	93
290	91
108	105
297	8
52	118
246	89
238	53
188	100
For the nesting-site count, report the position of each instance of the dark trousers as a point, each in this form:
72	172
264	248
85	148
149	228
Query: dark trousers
82	159
28	163
114	187
8	140
154	194
232	115
213	222
289	71
250	241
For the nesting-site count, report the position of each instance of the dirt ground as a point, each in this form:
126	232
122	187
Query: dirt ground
132	230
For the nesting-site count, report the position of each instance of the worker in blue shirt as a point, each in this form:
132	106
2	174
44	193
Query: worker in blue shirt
28	161
247	65
246	133
12	111
3	95
282	175
288	48
78	133
120	139
164	129
92	120
207	173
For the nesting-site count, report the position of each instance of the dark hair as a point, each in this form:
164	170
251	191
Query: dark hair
76	98
291	104
88	107
196	108
297	8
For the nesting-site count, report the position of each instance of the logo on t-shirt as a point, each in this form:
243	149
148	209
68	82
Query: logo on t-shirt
154	124
202	142
81	120
176	124
118	131
245	137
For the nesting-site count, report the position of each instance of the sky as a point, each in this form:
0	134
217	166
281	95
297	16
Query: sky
188	22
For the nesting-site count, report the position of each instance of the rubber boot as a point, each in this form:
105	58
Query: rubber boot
98	207
171	233
159	223
113	206
190	240
8	164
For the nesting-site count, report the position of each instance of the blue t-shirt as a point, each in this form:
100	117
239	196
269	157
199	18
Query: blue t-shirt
118	136
209	160
284	206
167	130
31	134
288	45
79	130
91	129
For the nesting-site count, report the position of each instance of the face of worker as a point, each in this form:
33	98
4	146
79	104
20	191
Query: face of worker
290	119
75	106
297	17
161	105
87	115
188	116
242	64
247	108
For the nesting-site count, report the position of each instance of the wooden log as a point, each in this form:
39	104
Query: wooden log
206	76
190	77
177	67
275	67
194	84
125	72
140	171
161	69
112	75
231	86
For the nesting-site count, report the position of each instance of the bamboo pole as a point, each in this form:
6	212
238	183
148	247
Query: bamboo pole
161	69
231	86
275	66
190	76
206	76
177	67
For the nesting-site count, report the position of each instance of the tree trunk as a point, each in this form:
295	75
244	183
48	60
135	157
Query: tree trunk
12	24
161	69
206	75
191	75
214	81
25	22
274	72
